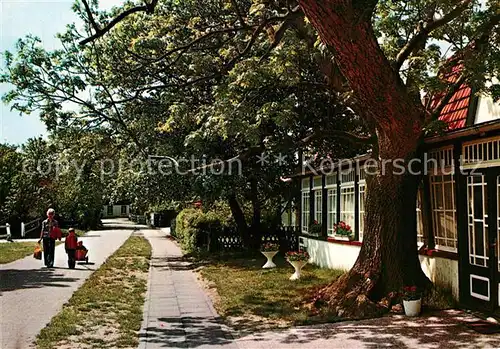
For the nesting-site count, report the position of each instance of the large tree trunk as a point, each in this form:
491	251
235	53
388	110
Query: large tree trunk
388	259
239	218
255	227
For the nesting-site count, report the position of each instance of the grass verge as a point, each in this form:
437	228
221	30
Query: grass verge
12	251
106	312
249	296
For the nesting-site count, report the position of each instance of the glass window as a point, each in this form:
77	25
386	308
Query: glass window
305	211
362	191
347	204
420	228
124	209
110	210
444	220
332	210
305	184
318	206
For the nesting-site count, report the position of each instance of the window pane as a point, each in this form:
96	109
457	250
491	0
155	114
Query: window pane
443	211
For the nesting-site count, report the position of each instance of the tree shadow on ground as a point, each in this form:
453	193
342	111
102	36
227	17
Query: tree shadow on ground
14	279
433	330
188	332
173	263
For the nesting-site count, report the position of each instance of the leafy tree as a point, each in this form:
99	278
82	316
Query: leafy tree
212	94
225	76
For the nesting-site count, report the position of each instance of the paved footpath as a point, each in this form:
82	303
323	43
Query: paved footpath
178	314
32	294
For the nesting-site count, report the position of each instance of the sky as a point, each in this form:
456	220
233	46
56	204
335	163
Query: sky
43	18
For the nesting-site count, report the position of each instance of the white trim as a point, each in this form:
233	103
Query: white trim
477	153
318	199
305	213
333	185
445	248
362	210
477	295
331	193
474	257
440	213
481	164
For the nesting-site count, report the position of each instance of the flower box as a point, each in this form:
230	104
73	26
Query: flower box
344	237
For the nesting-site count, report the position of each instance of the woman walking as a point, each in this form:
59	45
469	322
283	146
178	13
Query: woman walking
50	232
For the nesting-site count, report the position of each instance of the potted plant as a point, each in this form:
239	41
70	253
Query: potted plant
315	228
269	250
412	300
298	259
343	231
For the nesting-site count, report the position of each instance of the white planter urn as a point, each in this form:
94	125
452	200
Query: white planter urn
297	265
412	308
269	255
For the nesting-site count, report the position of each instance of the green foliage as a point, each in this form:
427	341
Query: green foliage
193	227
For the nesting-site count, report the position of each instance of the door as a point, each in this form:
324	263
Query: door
481	267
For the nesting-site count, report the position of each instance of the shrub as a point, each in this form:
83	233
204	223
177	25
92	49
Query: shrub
193	227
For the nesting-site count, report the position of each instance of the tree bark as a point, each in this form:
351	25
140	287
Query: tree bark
388	259
239	218
255	227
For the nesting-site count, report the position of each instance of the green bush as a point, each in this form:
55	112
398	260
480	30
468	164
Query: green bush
193	228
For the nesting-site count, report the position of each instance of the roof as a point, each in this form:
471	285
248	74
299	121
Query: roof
455	113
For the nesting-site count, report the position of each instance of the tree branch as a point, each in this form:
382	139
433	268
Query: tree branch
426	28
348	136
289	19
96	27
434	115
148	8
238	13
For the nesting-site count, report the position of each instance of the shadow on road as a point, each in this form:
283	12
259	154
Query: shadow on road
15	279
187	332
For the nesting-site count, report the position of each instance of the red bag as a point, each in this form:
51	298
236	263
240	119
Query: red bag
56	233
37	254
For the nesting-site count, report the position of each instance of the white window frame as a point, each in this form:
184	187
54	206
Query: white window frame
438	230
332	196
362	201
305	198
420	224
348	188
318	199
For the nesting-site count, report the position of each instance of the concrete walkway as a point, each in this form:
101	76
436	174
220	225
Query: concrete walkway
32	294
178	314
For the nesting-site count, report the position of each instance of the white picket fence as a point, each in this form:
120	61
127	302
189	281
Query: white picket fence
30	226
7	235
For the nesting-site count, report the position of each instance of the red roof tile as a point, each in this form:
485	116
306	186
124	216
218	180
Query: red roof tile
456	111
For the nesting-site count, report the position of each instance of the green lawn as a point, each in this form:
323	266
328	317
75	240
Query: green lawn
11	251
106	312
250	296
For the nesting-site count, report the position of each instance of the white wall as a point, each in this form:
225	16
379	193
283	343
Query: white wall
329	255
487	110
117	211
441	271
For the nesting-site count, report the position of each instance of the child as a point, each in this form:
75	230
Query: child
81	252
71	244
